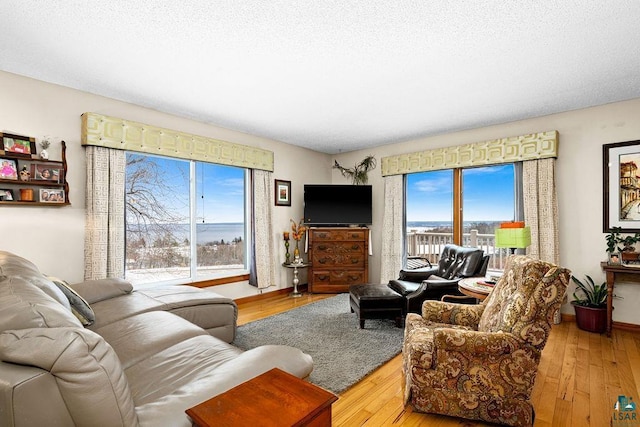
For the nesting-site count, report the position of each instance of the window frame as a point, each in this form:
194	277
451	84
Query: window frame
213	279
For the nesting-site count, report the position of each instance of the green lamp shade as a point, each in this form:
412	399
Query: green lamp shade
513	237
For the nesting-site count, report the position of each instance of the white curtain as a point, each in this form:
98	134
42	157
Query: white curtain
104	235
541	208
392	250
263	268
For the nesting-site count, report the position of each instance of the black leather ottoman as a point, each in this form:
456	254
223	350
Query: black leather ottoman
376	302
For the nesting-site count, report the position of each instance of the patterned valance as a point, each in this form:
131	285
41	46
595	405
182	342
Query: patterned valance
504	150
119	134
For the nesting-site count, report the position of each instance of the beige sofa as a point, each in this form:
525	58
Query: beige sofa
147	357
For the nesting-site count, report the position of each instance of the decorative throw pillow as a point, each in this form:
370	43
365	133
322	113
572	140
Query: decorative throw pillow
79	307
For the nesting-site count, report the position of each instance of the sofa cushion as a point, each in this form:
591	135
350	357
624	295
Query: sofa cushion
15	266
79	307
23	305
87	370
210	311
102	289
220	367
144	335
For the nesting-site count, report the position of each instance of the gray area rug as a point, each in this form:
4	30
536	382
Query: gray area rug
342	353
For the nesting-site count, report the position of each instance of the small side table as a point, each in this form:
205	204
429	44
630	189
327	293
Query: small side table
470	287
273	399
295	267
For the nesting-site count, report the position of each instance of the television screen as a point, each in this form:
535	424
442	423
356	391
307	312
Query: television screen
326	205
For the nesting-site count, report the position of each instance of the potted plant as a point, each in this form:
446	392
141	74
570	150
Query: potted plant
358	173
621	247
590	305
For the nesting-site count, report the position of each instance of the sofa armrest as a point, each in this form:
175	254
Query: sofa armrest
99	290
452	313
30	396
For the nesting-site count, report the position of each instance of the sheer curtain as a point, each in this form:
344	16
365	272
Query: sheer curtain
541	208
263	269
393	228
104	232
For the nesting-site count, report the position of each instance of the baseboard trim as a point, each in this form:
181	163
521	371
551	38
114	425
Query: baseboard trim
629	327
271	294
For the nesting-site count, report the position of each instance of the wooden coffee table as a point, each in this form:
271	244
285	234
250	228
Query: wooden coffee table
275	398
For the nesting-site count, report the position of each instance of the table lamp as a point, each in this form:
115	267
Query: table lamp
513	238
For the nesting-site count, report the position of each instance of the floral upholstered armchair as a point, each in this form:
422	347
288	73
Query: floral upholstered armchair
480	361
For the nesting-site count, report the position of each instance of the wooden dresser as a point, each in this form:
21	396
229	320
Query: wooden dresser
339	257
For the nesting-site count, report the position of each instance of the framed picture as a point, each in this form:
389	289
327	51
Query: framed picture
20	145
51	195
46	172
621	186
283	192
8	169
615	258
6	195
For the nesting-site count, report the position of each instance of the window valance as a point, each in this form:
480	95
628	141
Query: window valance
120	134
504	150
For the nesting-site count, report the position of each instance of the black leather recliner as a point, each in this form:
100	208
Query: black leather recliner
432	283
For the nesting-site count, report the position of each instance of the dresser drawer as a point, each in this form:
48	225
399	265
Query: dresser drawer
336	280
332	234
343	260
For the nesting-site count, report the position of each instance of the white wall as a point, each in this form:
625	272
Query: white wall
53	238
579	184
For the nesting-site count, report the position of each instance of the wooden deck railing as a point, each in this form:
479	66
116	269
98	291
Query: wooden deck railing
429	245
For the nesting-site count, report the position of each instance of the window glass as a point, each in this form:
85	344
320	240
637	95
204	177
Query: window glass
185	220
220	220
487	198
429	212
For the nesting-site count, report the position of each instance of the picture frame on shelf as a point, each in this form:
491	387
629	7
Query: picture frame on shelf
8	169
621	204
46	172
283	192
6	195
51	195
18	145
615	258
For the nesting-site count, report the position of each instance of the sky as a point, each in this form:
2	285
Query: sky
488	194
222	188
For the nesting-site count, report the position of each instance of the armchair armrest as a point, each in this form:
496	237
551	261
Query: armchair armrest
476	344
99	290
452	313
418	274
436	282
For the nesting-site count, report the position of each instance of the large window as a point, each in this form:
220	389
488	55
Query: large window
461	206
185	220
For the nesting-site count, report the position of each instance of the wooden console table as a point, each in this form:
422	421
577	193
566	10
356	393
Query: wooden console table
275	398
618	273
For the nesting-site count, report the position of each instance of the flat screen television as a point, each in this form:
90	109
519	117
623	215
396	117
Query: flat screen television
337	205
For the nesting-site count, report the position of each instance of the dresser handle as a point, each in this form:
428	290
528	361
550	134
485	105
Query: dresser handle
323	277
322	260
355	260
322	247
355	247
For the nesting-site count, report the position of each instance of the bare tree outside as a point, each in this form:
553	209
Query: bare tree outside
158	222
155	210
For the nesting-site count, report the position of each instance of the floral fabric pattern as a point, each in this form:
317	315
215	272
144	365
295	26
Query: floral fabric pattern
480	362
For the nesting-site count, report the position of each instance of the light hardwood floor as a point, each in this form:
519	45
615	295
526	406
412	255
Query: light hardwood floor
579	379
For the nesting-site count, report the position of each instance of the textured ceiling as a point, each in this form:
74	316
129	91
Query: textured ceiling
333	75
